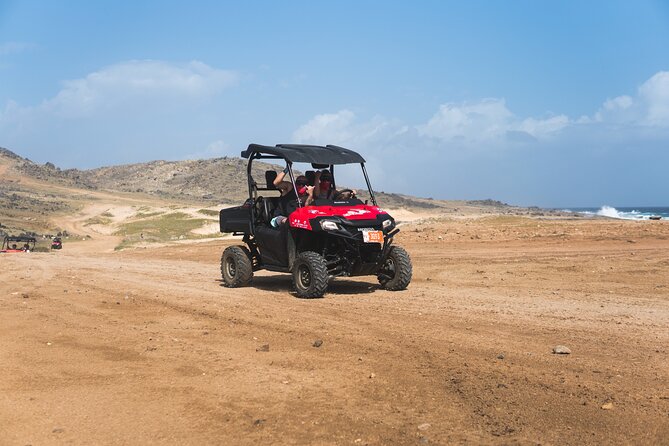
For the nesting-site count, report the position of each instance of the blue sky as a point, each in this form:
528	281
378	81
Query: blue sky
534	103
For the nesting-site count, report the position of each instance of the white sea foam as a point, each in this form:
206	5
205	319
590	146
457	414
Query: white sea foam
611	212
642	213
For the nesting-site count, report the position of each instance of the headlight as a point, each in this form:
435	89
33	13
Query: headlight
328	225
387	224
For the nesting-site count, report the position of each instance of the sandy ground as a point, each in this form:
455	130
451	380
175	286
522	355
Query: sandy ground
146	346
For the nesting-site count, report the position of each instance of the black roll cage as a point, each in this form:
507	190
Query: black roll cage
346	156
31	241
253	185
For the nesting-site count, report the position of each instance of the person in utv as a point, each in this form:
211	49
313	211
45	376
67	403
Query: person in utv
326	191
305	193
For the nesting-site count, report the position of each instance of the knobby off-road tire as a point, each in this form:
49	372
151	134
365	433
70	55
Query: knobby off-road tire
310	275
395	275
236	266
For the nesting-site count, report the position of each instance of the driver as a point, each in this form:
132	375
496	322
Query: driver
326	191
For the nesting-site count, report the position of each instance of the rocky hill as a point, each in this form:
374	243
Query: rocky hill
216	180
220	180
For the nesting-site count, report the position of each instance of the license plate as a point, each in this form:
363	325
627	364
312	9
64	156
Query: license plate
372	236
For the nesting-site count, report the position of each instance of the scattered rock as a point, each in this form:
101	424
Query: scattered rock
24	295
372	375
263	348
58	430
258	422
607	406
561	350
500	356
424	426
317	343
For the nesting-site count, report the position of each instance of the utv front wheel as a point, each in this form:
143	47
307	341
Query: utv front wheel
236	266
395	274
310	275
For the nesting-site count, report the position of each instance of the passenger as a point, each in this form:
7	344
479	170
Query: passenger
287	201
304	191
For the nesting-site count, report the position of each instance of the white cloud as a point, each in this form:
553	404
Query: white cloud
490	123
334	127
123	112
485	120
649	107
136	82
343	128
215	149
654	94
462	140
481	120
540	128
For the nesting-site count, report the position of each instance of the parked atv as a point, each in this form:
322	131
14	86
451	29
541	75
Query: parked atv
336	237
56	243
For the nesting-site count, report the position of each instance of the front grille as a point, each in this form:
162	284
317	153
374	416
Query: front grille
373	224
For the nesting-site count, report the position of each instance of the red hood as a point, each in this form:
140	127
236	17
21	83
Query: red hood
301	218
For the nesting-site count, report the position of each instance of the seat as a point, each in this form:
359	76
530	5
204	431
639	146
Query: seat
270	176
311	177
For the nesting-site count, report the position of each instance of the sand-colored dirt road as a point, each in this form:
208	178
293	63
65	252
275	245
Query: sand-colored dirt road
146	347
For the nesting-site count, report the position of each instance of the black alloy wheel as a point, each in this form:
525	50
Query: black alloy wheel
396	272
236	266
310	275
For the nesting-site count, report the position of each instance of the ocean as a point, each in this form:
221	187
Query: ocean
625	213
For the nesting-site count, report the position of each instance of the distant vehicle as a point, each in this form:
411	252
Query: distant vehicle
18	244
342	236
56	243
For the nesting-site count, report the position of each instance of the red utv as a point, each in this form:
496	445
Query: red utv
342	236
56	243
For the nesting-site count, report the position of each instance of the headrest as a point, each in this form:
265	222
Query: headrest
270	176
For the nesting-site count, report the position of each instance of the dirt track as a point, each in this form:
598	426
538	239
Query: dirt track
147	347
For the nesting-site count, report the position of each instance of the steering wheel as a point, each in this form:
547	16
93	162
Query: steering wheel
261	209
340	193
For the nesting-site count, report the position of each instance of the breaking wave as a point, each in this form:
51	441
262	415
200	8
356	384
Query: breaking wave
626	213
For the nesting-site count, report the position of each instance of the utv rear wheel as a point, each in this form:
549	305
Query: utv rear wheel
236	266
310	275
395	274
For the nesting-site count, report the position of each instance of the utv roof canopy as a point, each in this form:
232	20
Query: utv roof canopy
299	153
20	239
